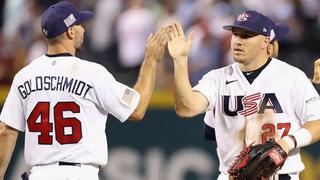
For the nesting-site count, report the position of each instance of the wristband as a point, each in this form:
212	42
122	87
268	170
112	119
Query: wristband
303	137
290	142
294	140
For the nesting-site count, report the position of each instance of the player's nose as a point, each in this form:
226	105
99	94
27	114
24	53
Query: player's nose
237	44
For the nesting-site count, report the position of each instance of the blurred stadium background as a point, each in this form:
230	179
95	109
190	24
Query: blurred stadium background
162	146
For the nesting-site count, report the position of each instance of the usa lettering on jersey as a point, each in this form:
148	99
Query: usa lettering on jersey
251	104
54	83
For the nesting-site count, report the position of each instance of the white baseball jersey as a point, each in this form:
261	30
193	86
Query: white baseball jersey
278	102
62	103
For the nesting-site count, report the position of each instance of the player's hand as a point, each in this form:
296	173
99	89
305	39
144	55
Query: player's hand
156	44
178	46
316	75
284	145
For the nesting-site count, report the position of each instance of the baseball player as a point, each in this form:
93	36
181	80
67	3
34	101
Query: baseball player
281	30
253	100
62	102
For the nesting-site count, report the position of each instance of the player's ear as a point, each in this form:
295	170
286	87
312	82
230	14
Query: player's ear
70	32
275	49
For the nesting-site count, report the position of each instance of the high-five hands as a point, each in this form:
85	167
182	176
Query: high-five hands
156	44
173	35
178	46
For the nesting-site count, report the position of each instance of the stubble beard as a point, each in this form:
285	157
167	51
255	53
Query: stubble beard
79	44
237	58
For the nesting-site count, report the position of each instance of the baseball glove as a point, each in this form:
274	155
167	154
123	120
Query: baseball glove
258	162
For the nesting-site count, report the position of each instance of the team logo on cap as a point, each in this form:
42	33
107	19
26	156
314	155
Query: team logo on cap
243	17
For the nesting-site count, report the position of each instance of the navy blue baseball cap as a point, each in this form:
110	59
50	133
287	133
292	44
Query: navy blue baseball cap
260	24
60	16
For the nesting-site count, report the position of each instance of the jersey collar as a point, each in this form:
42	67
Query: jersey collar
252	75
59	55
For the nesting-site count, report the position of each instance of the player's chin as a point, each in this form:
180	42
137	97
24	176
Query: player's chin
79	44
237	55
79	48
238	59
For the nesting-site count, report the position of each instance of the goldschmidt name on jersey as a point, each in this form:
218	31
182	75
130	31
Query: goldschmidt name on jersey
54	83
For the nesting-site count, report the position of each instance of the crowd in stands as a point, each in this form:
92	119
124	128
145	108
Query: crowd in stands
116	36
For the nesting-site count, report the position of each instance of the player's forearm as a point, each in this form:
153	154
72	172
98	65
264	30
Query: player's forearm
308	134
145	86
8	138
183	94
